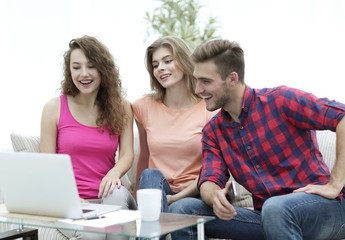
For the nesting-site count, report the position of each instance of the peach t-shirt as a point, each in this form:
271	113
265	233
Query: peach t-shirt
173	138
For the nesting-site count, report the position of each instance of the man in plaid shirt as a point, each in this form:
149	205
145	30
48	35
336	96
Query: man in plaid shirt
266	139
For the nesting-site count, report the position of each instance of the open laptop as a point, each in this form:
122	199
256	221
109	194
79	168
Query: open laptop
44	184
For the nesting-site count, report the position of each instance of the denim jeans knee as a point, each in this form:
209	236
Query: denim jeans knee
153	178
302	216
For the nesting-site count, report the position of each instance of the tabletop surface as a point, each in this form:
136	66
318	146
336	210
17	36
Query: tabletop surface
131	226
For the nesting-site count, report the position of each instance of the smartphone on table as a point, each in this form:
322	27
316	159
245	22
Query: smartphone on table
232	193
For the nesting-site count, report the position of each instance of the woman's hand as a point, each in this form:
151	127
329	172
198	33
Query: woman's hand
82	200
170	199
125	160
108	183
190	191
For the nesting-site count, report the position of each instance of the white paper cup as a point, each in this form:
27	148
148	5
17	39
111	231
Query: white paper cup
149	203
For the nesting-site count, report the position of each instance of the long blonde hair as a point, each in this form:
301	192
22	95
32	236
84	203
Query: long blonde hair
181	54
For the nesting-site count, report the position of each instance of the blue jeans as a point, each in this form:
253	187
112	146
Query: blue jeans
292	216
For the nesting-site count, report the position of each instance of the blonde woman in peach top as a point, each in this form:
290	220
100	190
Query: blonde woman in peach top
169	121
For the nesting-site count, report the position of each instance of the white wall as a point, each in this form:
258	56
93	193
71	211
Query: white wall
299	43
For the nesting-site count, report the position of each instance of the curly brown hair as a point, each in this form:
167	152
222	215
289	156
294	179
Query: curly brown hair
181	53
110	98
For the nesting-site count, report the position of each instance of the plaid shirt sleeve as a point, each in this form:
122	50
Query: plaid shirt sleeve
214	168
306	111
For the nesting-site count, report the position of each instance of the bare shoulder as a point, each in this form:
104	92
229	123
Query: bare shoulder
53	102
52	106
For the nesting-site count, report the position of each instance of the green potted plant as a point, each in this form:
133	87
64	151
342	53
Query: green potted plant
181	18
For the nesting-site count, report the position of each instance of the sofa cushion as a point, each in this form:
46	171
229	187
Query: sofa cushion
327	146
25	143
244	197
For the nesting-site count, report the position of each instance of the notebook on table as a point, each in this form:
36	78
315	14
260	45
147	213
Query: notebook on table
44	184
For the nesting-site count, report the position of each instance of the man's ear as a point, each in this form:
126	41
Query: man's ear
232	78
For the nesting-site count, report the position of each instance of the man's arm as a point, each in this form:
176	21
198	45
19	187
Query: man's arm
337	179
215	197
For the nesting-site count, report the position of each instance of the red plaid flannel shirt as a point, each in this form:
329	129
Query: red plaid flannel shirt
273	150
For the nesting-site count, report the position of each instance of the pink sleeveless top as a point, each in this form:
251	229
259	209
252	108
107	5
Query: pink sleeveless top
92	152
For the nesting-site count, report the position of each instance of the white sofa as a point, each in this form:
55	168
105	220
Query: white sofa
20	143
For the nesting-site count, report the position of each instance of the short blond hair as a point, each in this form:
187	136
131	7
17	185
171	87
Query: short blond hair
228	57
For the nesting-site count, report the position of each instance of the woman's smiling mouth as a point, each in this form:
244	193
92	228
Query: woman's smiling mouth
165	76
86	82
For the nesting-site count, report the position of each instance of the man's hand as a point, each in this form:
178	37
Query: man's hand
326	191
221	206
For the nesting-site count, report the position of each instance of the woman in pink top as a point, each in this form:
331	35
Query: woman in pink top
89	121
169	122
